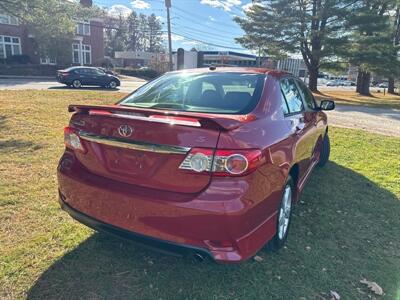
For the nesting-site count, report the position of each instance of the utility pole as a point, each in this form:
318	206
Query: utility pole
168	5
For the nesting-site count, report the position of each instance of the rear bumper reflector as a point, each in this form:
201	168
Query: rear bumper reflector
134	145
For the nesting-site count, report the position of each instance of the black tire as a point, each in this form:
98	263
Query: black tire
76	84
279	239
325	151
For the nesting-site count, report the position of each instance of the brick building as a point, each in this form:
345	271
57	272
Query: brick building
87	47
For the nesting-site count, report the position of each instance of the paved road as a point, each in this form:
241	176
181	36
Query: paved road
127	86
379	120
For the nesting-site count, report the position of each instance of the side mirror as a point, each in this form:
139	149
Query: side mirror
327	105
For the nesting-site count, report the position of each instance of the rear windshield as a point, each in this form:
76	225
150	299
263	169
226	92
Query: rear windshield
225	93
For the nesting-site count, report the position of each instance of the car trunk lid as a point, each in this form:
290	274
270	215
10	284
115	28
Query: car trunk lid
145	146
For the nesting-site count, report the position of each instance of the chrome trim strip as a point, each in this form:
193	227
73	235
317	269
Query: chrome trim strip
134	145
149	119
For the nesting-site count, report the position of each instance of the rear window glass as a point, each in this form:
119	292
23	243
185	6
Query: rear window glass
225	93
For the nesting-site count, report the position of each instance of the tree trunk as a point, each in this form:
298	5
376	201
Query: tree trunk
391	85
363	81
359	81
313	78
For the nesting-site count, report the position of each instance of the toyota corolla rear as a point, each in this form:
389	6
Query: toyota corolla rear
150	168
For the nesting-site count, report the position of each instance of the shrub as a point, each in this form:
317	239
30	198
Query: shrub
29	70
142	73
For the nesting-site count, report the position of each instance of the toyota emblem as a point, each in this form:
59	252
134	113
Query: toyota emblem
125	130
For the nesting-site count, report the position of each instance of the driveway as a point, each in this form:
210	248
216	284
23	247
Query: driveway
127	84
379	120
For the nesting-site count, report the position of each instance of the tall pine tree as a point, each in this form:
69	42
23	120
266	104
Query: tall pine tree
370	44
309	27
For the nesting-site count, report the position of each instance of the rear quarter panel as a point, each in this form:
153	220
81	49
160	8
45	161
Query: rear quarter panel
270	133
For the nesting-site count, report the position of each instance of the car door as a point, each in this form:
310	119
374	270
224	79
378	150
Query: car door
84	76
99	77
303	130
311	115
93	77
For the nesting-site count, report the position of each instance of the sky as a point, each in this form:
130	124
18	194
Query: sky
203	24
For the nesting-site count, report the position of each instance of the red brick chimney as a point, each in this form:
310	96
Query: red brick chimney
86	3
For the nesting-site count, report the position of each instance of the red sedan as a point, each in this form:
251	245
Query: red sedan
207	162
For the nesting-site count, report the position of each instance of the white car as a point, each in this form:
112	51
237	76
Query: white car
384	85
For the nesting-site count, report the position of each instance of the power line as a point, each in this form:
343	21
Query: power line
207	43
191	14
209	35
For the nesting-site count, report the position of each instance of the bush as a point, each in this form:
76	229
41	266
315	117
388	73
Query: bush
141	73
18	59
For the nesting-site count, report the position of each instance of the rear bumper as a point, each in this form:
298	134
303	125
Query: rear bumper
230	220
146	241
63	80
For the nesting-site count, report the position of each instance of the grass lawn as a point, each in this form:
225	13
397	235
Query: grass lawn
352	98
346	228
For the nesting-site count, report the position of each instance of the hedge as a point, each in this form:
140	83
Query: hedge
147	73
29	70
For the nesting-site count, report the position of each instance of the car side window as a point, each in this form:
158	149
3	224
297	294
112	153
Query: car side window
307	95
292	95
97	72
82	71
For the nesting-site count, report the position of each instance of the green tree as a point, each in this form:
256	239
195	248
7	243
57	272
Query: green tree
143	32
396	44
370	44
154	34
52	22
115	34
133	32
313	28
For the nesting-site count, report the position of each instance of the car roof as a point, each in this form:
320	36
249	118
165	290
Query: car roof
83	67
271	72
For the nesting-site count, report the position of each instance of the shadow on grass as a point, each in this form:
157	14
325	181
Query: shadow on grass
3	122
344	229
84	88
17	145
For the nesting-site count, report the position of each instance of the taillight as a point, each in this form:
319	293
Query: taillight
222	162
72	140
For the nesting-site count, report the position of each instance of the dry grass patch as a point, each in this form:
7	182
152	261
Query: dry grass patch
353	98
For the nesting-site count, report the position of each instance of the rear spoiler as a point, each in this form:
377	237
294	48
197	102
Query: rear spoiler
212	121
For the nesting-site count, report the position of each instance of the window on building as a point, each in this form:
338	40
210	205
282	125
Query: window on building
7	19
87	54
81	55
9	46
48	60
75	54
83	28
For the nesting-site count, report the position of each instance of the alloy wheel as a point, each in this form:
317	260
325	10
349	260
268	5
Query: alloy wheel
76	84
112	85
285	212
